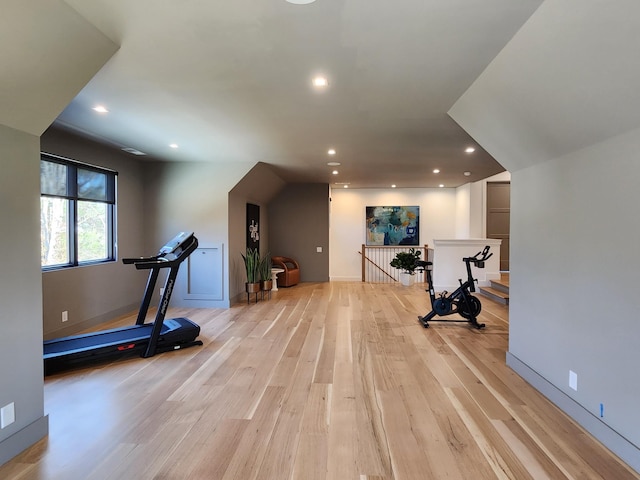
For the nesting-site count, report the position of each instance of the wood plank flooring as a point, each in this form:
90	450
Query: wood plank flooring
323	381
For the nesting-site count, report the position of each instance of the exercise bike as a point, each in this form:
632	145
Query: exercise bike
460	301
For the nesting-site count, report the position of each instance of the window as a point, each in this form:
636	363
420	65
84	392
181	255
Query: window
77	213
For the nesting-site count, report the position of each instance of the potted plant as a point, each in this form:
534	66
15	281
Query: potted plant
252	265
266	283
407	262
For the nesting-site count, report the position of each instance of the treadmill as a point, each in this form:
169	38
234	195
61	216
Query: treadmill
144	339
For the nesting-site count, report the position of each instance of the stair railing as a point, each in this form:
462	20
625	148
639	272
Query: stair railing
376	260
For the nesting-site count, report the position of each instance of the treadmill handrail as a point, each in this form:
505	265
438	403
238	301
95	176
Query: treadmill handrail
151	263
140	259
161	261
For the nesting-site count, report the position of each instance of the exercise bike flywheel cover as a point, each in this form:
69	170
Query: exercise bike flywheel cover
442	306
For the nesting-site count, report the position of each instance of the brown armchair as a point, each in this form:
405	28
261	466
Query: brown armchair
291	274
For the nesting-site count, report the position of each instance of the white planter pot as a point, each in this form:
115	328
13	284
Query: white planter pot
406	279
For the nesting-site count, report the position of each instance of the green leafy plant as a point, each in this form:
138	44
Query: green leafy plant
252	265
265	267
407	261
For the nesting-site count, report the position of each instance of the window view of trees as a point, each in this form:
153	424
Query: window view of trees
93	231
77	207
54	227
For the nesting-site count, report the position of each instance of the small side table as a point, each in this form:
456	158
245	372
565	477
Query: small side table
274	277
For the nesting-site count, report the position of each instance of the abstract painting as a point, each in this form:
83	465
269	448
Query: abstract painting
393	225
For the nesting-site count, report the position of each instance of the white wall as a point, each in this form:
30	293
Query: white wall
463	211
347	221
449	269
478	208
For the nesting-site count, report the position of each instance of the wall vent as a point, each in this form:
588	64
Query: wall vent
133	151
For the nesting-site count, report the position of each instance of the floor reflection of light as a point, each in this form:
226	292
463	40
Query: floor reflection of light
84	406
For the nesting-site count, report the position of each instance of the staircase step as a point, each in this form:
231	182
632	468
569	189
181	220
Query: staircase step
496	295
500	285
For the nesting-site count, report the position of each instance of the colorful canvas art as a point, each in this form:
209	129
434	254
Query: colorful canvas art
393	225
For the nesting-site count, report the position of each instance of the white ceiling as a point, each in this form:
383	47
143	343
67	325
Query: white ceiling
231	81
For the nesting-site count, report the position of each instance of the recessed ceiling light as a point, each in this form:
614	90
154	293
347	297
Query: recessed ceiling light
100	109
320	82
346	186
331	151
467	174
333	164
436	170
441	185
470	150
173	145
301	2
335	172
393	186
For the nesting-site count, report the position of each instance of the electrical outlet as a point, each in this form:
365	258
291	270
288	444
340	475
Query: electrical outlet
573	380
319	249
65	316
7	415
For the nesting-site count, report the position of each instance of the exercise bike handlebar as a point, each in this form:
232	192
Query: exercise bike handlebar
478	260
484	256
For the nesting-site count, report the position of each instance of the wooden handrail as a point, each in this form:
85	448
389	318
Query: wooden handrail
367	259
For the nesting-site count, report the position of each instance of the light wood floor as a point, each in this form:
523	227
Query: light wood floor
323	381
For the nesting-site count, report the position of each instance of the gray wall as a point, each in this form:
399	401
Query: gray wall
156	200
298	223
194	197
559	109
20	292
574	278
95	293
211	200
52	56
258	187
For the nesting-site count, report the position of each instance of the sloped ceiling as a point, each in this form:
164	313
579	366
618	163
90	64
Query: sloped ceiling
567	80
48	53
231	81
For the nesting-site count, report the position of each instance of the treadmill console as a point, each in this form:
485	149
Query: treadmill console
175	250
175	243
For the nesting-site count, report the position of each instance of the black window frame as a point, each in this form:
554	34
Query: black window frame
73	198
